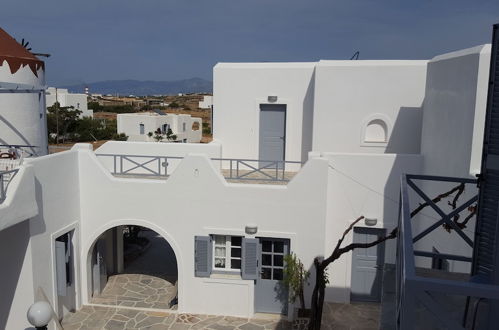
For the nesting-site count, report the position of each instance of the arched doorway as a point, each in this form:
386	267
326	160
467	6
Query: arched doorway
133	266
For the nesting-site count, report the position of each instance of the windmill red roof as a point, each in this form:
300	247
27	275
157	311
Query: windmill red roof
16	55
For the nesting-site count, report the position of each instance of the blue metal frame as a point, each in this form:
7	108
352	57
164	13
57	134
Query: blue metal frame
411	288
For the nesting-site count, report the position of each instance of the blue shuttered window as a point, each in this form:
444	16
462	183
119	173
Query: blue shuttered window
249	268
202	256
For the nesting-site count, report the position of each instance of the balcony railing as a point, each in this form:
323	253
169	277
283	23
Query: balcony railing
20	150
5	178
258	170
231	168
418	296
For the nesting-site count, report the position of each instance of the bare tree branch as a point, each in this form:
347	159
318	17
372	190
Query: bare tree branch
438	199
320	266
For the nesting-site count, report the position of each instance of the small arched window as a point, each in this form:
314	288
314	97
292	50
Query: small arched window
376	131
141	129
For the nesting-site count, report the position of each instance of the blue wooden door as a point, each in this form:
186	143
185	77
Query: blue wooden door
367	266
99	270
271	296
272	132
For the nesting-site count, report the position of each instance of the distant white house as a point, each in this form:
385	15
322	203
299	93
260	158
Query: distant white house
67	99
138	126
207	102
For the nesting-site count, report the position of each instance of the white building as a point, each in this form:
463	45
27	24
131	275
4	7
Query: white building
142	126
22	102
207	102
356	125
66	99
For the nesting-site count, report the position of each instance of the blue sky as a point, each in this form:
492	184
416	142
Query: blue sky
93	40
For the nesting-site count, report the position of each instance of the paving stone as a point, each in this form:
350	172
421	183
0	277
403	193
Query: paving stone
220	327
148	321
179	326
251	326
114	325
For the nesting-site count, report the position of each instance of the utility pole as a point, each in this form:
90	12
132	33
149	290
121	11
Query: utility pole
56	118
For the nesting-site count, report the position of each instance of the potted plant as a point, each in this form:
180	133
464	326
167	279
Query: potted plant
295	277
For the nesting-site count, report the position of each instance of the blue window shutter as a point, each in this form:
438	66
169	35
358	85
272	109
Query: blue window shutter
249	268
202	256
60	266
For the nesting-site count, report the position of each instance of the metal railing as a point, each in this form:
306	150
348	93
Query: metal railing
5	178
21	150
413	290
257	170
139	165
236	169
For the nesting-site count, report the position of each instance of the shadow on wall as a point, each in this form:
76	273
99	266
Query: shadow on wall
405	136
17	239
38	222
16	131
308	120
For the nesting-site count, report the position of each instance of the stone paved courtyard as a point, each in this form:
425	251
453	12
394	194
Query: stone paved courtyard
93	317
137	290
335	317
148	281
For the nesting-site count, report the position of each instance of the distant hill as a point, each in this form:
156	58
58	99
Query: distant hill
142	88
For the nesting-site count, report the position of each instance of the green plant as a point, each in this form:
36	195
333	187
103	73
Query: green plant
158	136
295	277
149	134
120	137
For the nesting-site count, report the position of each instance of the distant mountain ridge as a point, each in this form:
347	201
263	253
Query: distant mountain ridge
143	88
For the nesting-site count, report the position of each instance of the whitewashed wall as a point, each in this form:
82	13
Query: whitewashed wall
16	287
238	91
349	94
22	115
57	190
206	103
452	136
196	200
361	185
20	203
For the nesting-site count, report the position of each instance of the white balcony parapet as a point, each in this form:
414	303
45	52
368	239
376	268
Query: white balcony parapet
17	196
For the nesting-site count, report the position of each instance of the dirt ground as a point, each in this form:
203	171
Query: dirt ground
54	148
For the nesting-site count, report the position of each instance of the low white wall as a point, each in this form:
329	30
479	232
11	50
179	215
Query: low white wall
349	94
361	184
16	288
196	200
57	191
211	150
20	203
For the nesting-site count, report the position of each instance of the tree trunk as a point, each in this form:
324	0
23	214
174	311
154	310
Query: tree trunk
317	297
302	297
